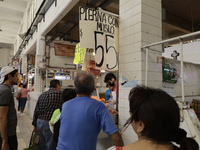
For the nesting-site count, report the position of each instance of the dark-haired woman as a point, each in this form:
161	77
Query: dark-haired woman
67	94
155	118
24	91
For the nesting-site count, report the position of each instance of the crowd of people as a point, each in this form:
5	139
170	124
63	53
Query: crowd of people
77	119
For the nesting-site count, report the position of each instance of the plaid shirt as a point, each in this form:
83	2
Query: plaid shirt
46	104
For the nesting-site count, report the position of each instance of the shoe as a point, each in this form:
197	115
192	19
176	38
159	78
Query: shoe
22	114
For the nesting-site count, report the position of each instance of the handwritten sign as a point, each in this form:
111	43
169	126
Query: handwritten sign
99	31
79	54
64	50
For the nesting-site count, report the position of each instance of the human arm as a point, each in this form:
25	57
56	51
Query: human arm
3	127
35	129
108	94
117	139
36	112
108	126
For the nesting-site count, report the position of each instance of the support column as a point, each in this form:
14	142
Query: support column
24	64
40	53
140	24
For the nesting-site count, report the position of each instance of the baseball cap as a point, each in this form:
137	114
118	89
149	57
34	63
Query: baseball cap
4	71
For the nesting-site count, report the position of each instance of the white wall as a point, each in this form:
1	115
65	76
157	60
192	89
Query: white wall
191	74
191	69
140	24
191	52
59	61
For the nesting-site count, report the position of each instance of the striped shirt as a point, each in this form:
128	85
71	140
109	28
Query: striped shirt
46	104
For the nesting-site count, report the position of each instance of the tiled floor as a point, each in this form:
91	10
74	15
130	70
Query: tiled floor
24	129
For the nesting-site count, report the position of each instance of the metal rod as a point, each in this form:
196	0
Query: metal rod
172	39
182	76
46	77
146	71
117	90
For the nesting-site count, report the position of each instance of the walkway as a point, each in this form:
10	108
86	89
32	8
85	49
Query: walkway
24	129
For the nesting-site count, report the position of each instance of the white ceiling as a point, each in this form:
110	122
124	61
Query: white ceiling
11	15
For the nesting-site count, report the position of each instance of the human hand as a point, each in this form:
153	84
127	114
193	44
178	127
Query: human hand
51	123
35	129
5	146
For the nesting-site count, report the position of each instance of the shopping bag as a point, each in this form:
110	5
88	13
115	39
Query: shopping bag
18	97
34	142
30	148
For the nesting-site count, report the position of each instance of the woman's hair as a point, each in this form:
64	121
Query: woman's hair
67	94
25	85
160	114
20	84
84	83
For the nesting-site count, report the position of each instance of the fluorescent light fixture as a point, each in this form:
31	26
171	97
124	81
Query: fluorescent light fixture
62	77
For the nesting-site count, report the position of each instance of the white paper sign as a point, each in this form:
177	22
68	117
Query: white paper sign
99	31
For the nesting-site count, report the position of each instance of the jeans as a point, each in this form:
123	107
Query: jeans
23	103
19	106
46	136
12	142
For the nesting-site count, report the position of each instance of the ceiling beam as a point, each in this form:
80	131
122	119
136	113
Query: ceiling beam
9	23
19	6
15	17
6	40
9	29
9	34
175	20
168	25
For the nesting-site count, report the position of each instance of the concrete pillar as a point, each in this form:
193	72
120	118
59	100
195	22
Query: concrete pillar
40	53
24	64
140	24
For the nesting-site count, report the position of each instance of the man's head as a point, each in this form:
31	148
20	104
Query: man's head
110	79
55	84
10	75
84	83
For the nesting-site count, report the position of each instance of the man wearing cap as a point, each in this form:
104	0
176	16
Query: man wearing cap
8	117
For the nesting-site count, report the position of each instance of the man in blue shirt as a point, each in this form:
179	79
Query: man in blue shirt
108	93
82	118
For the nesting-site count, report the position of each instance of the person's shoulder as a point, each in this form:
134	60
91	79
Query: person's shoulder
44	94
98	103
131	146
4	88
52	90
108	91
